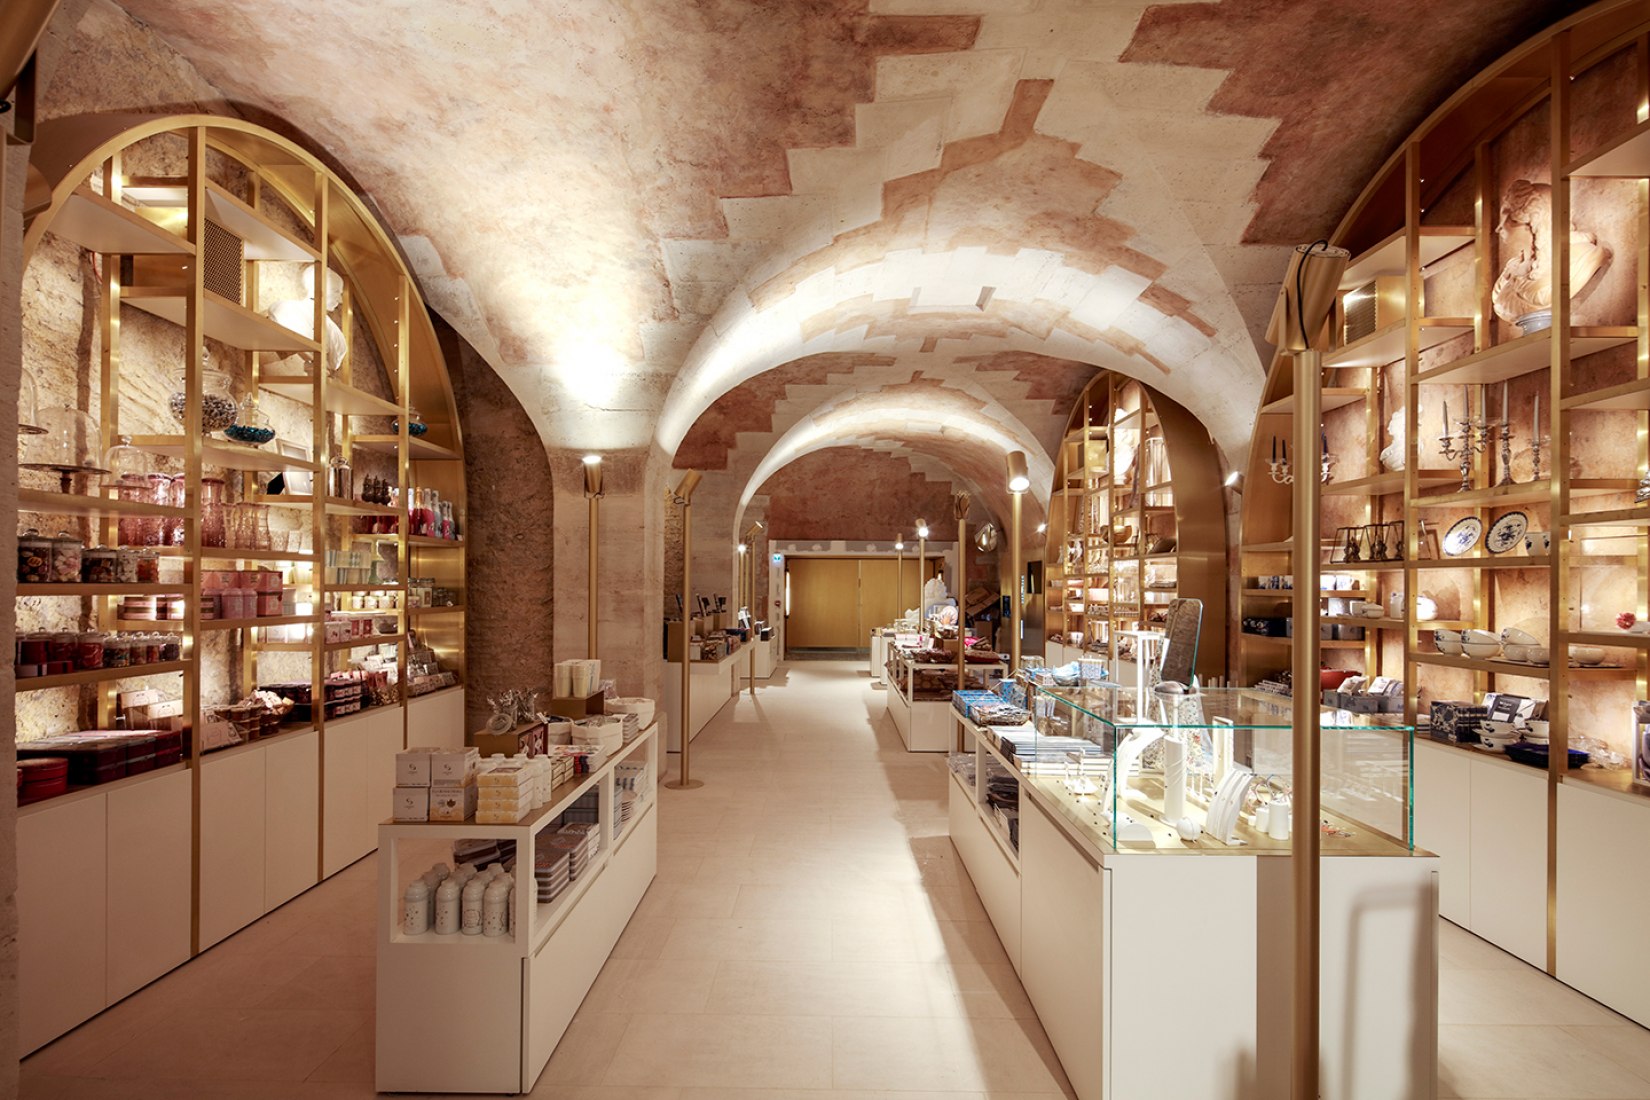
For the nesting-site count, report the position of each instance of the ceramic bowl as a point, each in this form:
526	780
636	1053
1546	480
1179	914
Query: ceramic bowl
1513	651
1586	654
1502	730
1538	731
1495	744
1481	636
1372	611
1448	642
1538	544
1482	651
1514	636
1536	654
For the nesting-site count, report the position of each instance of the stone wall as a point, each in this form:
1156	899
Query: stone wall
508	551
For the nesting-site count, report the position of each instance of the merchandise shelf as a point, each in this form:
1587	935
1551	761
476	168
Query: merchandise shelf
1633	395
263	239
1377	485
1323	643
1389	256
1621	517
1524	356
99	675
364	642
419	449
425	542
1386	345
225	454
1626	156
78	588
420	612
243	624
1619	638
1514	668
222	320
1529	492
101	225
342	399
1395	624
1334	397
73	504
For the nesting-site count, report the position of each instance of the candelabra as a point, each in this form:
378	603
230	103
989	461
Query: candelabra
1475	438
1537	442
1283	471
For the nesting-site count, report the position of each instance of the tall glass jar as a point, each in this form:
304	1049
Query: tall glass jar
217	398
212	519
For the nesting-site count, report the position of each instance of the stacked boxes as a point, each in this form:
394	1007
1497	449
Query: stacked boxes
435	784
506	792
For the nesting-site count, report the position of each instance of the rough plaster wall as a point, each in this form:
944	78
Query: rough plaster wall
508	556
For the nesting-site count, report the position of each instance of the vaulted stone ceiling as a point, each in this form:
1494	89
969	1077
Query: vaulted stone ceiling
636	208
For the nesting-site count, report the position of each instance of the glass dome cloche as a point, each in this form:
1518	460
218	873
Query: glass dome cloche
28	401
68	446
251	425
415	424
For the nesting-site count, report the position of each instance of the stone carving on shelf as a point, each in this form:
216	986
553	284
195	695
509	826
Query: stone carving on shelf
1523	291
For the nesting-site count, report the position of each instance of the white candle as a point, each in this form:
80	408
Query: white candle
1535	419
1506	409
1445	432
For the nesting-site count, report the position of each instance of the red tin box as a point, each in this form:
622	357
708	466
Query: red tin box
90	761
42	777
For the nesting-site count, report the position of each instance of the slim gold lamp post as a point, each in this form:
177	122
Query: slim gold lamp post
959	507
1297	327
751	532
1019	480
593	493
683	496
922	570
899	576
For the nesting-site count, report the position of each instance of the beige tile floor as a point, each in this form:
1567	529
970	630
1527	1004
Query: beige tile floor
810	935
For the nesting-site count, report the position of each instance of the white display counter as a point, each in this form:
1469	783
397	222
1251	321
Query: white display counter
468	1014
436	721
1486	817
714	684
1165	975
878	658
924	725
765	663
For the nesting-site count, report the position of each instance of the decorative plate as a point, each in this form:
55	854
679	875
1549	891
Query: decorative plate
1506	532
1461	538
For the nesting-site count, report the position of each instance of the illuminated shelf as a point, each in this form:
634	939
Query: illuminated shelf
1390	258
419	449
1609	638
365	642
1386	345
1394	624
1629	395
1323	643
428	543
98	675
1621	517
42	502
420	612
242	624
101	225
1389	482
1334	397
79	588
1523	356
262	238
1626	156
341	398
1512	668
1536	492
222	453
223	320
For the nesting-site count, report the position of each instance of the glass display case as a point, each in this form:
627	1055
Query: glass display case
1210	772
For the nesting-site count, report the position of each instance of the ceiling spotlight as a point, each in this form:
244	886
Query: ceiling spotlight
1234	481
899	543
922	528
742	548
1018	479
592	475
1041	527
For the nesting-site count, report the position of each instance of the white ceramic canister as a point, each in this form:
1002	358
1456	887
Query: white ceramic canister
471	906
449	903
495	920
1277	824
415	910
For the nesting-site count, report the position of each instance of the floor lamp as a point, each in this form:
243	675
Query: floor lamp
755	528
1297	328
683	496
593	493
899	577
1019	480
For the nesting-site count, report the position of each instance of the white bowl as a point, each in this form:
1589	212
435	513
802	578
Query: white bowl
1482	651
641	707
1495	744
1514	651
1448	642
1506	731
1586	654
1481	636
1514	636
1372	611
1538	732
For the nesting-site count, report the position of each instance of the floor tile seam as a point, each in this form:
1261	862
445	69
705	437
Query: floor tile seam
1597	1053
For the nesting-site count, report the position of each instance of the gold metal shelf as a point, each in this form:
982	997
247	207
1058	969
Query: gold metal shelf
78	588
1629	395
1530	492
1386	345
419	449
243	624
1626	156
1524	355
222	453
99	675
364	642
1334	397
1621	517
42	502
1389	257
223	320
99	224
342	398
1513	668
1387	483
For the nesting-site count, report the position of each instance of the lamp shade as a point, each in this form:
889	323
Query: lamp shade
922	528
684	488
959	506
593	475
1306	297
1019	480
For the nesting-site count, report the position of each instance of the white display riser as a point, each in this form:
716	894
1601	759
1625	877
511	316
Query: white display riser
765	662
1486	817
878	659
475	1014
1167	976
924	725
714	683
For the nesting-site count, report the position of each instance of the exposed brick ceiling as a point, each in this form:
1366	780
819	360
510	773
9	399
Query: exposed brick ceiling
636	208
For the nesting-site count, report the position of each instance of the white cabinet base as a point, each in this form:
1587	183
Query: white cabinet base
714	683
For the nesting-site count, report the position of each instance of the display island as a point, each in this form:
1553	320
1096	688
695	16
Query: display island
1131	861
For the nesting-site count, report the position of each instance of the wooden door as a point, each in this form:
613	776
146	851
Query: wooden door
881	598
824	604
